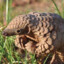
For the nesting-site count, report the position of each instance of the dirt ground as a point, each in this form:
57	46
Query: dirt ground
43	6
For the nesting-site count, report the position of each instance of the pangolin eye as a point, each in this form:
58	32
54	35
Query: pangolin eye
18	31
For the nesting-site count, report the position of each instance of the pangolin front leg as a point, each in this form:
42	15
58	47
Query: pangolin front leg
23	42
20	41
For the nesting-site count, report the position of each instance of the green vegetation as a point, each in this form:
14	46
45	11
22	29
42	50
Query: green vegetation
61	13
8	52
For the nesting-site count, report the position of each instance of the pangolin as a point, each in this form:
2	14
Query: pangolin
43	33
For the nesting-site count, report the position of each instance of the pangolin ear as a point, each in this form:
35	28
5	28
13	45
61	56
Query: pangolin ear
27	29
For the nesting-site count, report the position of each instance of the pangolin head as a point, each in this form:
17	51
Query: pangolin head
17	26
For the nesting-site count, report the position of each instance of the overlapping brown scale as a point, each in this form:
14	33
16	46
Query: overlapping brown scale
46	46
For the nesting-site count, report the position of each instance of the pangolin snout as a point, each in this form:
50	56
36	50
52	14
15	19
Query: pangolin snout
4	33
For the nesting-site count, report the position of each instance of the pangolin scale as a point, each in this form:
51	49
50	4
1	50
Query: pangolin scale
45	29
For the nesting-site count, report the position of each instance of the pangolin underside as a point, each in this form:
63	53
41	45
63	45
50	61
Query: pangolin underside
39	33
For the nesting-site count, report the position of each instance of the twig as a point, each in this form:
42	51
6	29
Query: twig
31	38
